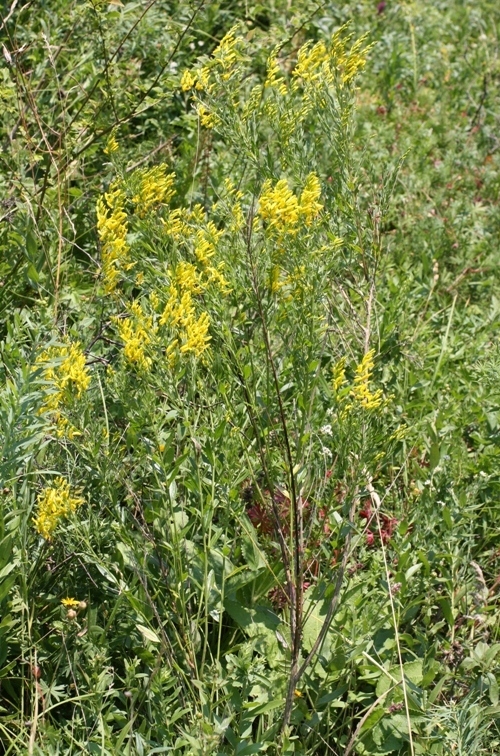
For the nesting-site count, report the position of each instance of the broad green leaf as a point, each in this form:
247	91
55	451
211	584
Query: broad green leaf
148	634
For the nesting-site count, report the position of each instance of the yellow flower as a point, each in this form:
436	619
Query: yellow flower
70	377
156	187
309	205
73	371
188	80
178	223
309	61
274	77
350	62
226	53
112	145
282	210
316	63
217	276
70	603
197	336
237	217
204	247
361	388
187	278
279	206
54	503
180	314
112	230
154	300
208	119
203	79
64	429
137	333
339	374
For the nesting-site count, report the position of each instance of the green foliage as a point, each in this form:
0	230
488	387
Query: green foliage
249	414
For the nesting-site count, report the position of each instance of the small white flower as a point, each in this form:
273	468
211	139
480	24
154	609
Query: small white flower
326	430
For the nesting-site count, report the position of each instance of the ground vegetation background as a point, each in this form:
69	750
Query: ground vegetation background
249	404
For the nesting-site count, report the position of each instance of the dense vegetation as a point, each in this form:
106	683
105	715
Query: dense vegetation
249	402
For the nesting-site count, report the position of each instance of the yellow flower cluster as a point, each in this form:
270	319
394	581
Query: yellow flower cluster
224	57
226	54
112	229
206	242
348	62
282	210
361	389
231	200
339	374
137	333
197	336
180	313
188	80
310	60
192	331
179	223
237	217
208	120
70	377
54	503
65	429
204	249
112	145
317	62
274	77
309	207
188	278
279	206
202	79
156	187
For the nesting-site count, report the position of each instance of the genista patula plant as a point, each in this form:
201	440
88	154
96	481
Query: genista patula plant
228	325
223	417
241	507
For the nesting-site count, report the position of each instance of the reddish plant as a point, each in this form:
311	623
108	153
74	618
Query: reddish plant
387	525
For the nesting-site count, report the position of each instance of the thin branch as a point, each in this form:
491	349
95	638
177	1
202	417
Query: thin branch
295	586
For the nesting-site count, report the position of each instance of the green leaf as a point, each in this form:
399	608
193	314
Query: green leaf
263	708
6	585
257	622
413	570
412	671
31	246
33	273
148	634
6	570
493	688
445	606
